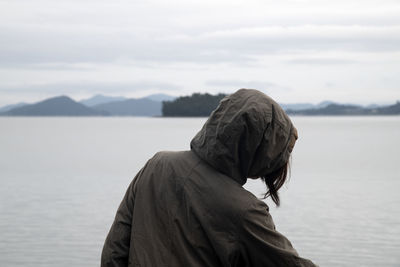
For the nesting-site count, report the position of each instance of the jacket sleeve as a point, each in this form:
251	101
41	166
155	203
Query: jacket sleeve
116	247
263	244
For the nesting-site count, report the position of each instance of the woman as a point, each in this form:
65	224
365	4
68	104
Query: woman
189	208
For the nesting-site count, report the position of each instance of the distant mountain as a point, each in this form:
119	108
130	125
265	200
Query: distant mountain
56	106
9	107
101	99
304	106
160	97
354	110
372	106
131	107
388	110
326	103
297	106
194	105
332	109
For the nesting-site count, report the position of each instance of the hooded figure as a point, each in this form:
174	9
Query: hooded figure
189	208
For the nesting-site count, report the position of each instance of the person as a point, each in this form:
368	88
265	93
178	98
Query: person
188	208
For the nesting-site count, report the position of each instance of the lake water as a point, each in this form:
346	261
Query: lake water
61	180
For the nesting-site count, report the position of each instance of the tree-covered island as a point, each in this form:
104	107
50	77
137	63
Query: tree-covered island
196	105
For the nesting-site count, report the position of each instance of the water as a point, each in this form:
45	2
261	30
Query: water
61	180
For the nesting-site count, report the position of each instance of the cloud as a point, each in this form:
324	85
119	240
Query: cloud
187	45
90	87
38	46
101	31
322	61
236	84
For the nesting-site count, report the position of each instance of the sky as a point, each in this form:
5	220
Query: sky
296	51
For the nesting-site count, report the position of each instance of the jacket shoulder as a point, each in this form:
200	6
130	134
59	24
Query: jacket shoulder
176	163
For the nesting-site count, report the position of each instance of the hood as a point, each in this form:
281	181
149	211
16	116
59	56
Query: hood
247	135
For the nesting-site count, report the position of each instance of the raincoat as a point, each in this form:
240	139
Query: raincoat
189	208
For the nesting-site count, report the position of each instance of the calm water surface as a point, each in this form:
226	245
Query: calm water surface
61	180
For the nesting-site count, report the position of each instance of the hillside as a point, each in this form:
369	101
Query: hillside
56	106
196	105
10	107
388	110
304	106
348	110
100	99
160	97
131	107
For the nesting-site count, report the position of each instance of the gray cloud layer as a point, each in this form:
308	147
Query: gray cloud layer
32	46
121	45
84	87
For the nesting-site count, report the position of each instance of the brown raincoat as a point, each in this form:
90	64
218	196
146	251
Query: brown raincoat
189	208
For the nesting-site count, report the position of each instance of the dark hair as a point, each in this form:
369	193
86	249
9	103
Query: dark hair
275	181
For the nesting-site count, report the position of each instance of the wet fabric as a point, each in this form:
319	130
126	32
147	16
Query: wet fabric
189	208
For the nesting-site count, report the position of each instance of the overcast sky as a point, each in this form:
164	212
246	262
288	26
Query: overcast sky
293	50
